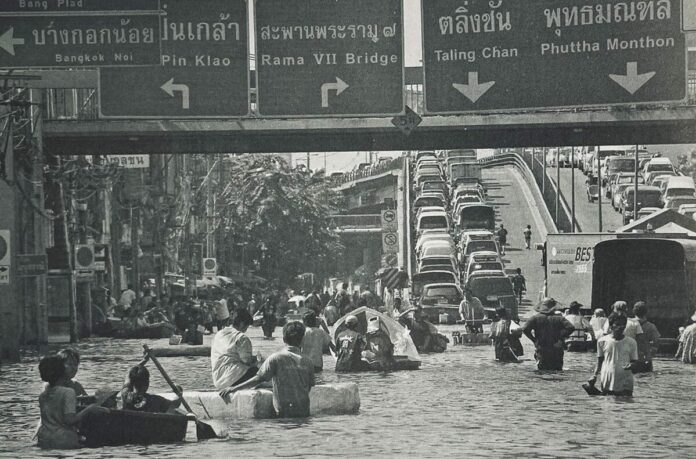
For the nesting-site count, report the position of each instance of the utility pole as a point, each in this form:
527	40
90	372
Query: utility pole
308	161
324	163
599	182
135	266
572	186
635	189
543	178
558	182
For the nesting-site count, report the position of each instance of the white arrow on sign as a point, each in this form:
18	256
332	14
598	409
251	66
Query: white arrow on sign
339	86
474	90
8	41
632	81
170	88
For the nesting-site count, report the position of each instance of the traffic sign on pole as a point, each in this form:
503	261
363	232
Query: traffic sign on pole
486	55
204	71
341	58
389	222
79	34
390	242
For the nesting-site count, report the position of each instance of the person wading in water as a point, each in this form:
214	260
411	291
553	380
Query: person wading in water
548	333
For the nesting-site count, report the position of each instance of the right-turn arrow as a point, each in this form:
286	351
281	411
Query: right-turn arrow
474	90
632	81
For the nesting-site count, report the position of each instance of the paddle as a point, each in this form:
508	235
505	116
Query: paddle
590	388
203	431
332	346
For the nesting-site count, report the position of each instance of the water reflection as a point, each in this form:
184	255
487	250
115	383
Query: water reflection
461	401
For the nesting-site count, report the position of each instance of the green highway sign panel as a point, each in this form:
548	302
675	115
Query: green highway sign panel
319	58
204	71
72	6
488	55
64	34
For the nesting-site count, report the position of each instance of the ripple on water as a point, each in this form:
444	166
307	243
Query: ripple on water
460	401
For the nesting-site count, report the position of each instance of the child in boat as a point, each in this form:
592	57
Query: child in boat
291	373
58	404
134	394
71	360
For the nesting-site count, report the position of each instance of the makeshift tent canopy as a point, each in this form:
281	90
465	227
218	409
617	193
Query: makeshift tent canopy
399	336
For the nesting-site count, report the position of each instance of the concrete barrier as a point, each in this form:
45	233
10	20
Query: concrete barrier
327	399
182	350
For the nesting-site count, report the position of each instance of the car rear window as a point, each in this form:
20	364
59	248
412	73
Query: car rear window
480	246
491	285
433	221
622	165
442	291
488	266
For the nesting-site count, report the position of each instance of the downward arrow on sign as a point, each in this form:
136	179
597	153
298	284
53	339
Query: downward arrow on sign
473	91
632	81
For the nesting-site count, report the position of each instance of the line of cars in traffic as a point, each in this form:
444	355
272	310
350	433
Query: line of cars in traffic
455	246
660	185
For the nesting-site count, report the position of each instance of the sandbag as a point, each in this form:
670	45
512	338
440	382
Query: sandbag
327	399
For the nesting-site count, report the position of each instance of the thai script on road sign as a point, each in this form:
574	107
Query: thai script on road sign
486	54
343	57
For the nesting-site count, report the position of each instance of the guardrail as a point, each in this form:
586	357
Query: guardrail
375	169
563	219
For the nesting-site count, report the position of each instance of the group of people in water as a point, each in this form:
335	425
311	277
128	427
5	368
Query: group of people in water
625	341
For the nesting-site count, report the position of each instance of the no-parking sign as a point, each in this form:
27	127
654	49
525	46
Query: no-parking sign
390	242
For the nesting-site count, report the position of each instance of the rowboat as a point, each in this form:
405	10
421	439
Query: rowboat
123	427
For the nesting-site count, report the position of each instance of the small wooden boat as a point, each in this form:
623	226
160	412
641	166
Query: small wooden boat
123	427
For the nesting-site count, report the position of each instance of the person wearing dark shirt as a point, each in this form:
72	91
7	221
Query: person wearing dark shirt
548	333
134	395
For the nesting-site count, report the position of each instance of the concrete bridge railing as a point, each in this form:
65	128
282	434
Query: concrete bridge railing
375	169
559	223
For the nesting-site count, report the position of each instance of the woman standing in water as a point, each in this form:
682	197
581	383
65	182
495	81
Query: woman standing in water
505	335
616	357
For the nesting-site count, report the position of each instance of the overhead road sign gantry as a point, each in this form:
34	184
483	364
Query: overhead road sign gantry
489	55
340	58
69	34
204	71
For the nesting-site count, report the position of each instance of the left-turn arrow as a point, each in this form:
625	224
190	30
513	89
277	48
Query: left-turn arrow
170	88
8	41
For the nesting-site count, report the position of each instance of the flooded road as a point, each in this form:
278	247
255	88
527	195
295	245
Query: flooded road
460	402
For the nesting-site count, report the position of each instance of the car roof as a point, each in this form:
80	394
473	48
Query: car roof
488	273
660	161
483	253
442	284
431	213
680	181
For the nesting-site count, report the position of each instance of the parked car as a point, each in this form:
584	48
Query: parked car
616	199
658	165
441	300
679	186
493	289
676	201
433	220
487	260
648	196
429	201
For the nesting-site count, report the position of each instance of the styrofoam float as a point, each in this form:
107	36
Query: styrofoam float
326	399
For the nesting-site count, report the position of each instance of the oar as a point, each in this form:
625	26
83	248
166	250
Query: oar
332	346
203	431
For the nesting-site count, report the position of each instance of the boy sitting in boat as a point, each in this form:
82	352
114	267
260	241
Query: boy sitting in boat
291	373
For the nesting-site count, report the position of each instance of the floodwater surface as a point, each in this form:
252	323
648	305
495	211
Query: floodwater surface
460	402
